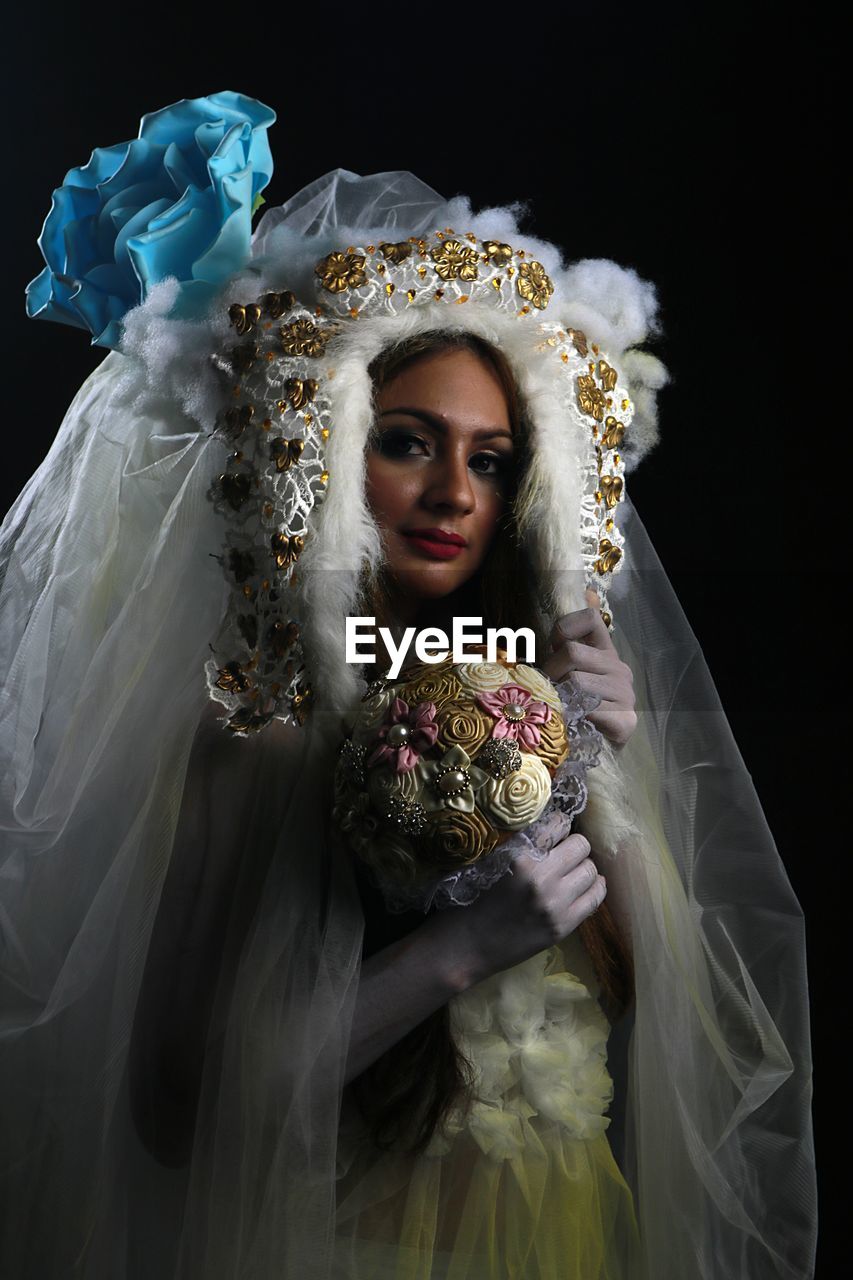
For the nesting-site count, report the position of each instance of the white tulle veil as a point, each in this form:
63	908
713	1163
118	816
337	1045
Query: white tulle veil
110	598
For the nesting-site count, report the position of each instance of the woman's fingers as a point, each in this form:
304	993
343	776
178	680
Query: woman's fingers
586	625
594	667
587	903
616	721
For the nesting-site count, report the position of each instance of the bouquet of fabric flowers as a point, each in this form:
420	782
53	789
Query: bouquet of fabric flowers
443	767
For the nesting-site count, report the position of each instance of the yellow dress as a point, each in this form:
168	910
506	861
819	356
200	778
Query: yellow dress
523	1187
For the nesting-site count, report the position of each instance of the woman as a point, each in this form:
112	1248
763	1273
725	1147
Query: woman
460	471
226	1114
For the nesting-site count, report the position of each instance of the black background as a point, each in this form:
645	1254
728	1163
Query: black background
698	146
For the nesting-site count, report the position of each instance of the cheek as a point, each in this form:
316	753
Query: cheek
490	509
382	493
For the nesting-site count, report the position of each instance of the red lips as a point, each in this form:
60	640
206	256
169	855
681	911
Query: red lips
438	544
437	535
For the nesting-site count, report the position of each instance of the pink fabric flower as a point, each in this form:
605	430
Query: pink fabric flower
424	731
525	731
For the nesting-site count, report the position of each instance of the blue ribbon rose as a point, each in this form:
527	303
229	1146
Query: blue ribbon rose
176	201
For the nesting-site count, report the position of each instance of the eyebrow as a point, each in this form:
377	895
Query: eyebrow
432	420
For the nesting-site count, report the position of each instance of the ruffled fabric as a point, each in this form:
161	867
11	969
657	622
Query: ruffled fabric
536	1038
176	201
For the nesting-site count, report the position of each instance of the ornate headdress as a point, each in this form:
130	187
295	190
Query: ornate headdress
292	377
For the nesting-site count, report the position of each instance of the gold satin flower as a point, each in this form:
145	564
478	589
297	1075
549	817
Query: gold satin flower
456	839
454	260
384	782
372	713
392	855
339	271
534	285
553	746
463	724
434	686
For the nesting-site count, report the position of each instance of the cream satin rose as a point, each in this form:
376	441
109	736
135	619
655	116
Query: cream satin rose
517	800
482	677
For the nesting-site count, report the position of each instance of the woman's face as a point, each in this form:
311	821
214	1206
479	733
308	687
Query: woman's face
441	465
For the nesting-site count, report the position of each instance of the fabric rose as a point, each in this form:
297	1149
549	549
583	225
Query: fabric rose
483	677
553	746
438	685
517	800
464	725
406	734
517	713
537	684
454	839
175	201
384	781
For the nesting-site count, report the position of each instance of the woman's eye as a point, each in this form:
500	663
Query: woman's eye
395	443
495	463
402	444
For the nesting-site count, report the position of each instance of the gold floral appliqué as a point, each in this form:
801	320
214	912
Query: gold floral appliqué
534	285
454	260
339	271
591	398
303	338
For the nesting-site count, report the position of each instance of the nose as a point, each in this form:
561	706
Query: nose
449	486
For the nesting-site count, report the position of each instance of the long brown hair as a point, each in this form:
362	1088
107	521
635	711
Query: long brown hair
406	1094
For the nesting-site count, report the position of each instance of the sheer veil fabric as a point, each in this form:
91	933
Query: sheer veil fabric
119	793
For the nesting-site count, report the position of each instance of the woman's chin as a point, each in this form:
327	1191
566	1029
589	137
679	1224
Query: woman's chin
428	584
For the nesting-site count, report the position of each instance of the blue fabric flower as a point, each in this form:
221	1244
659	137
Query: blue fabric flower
176	201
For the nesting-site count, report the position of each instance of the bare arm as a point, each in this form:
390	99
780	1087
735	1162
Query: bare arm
403	984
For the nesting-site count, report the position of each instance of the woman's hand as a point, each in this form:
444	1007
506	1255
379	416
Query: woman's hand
528	910
584	651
